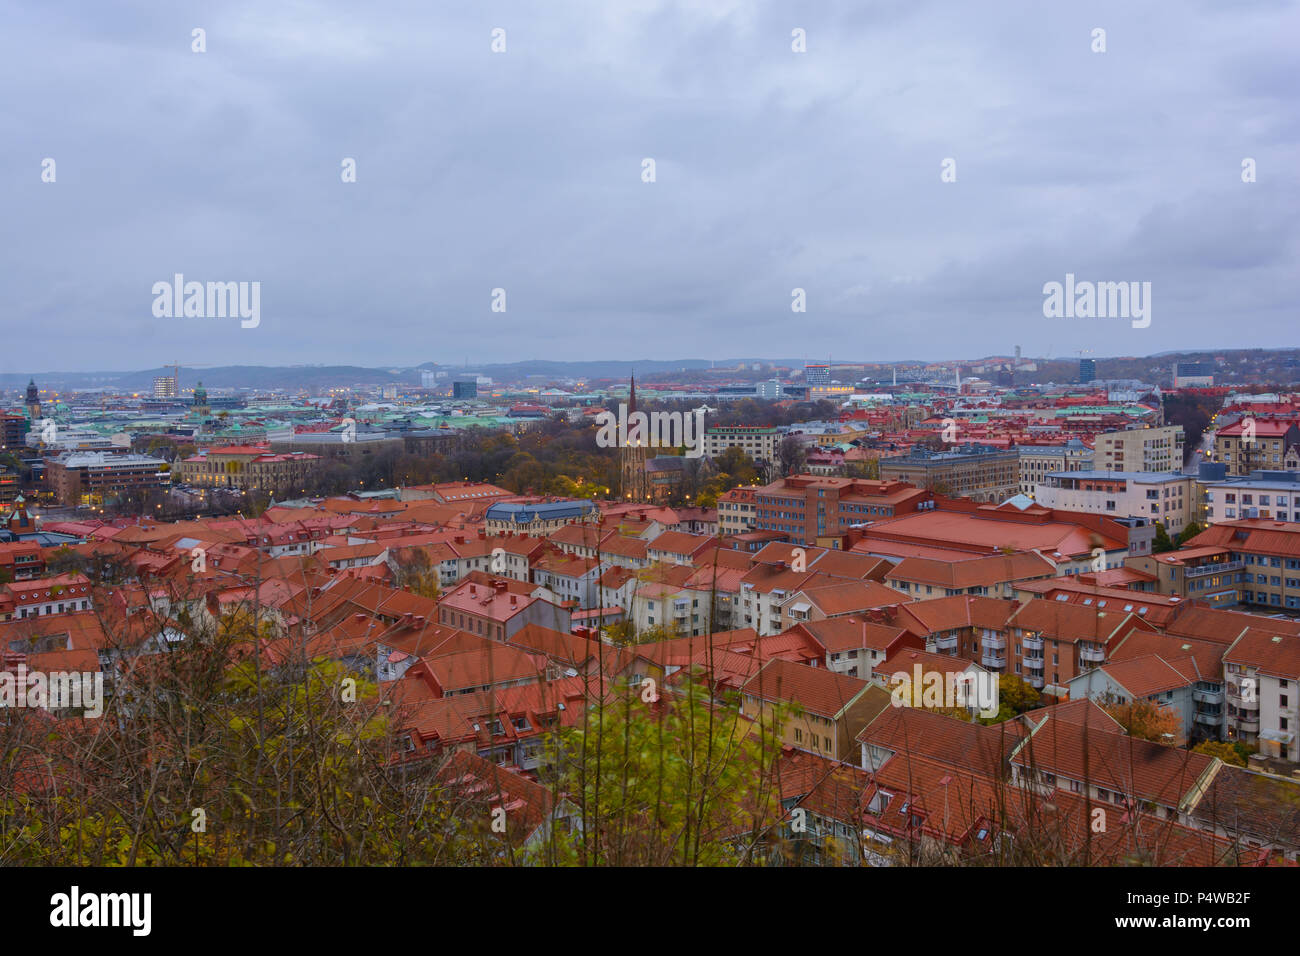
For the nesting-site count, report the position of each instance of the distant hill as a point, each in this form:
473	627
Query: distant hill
1240	366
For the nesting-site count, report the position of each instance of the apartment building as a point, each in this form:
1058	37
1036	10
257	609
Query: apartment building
758	442
569	577
1272	495
736	511
824	711
1158	448
1166	497
963	626
1052	642
994	575
807	508
39	597
855	645
1269	553
1039	461
1263	673
21	560
499	609
1254	444
1169	684
980	472
1208	573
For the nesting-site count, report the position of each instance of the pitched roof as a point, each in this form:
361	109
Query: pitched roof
816	689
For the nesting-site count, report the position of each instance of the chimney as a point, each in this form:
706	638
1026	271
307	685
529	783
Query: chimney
500	586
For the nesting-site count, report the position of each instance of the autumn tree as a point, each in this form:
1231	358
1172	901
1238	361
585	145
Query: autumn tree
1144	719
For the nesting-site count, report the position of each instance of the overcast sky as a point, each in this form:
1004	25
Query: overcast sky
522	170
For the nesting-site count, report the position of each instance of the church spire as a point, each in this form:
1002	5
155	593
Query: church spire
631	401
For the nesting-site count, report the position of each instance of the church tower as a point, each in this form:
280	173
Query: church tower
200	406
33	401
632	471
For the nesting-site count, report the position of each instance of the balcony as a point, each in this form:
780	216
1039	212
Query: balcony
993	643
945	643
1092	654
1207	696
993	659
1203	569
1248	725
1033	663
1033	643
1213	720
1034	681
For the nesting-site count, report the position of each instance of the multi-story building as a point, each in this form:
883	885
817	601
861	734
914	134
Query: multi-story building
1253	444
347	443
1140	449
22	560
535	519
498	608
1170	685
807	508
994	575
1038	461
62	594
93	477
815	375
736	511
1274	495
1087	370
1210	574
1166	497
1269	552
164	386
1263	671
13	431
979	472
758	442
9	484
817	393
1052	642
249	468
824	710
1193	375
